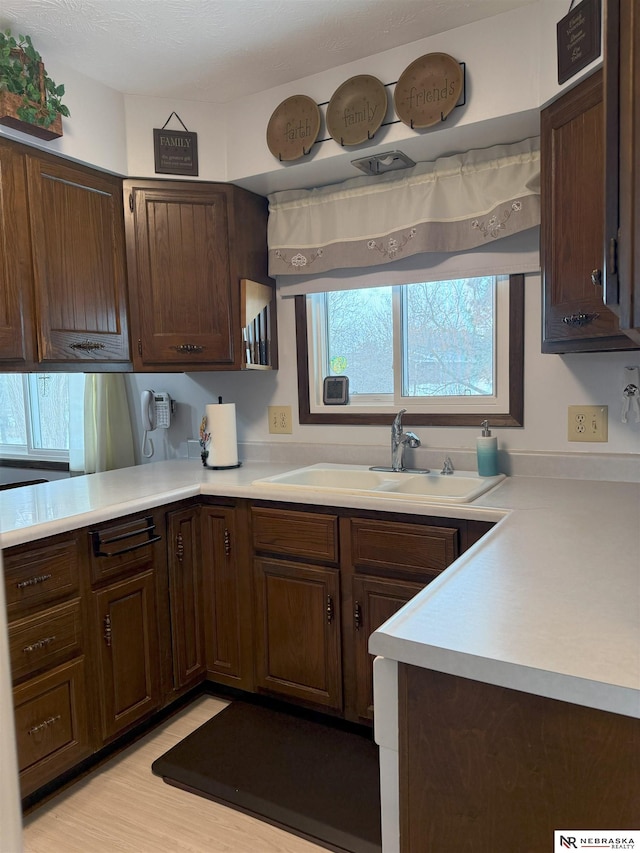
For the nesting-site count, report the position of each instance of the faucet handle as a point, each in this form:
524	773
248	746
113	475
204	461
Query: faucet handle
412	439
447	468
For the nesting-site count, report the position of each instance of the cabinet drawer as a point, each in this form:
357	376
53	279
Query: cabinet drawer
412	549
122	548
51	724
40	575
46	639
310	535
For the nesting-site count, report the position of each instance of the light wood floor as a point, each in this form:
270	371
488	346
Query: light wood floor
122	806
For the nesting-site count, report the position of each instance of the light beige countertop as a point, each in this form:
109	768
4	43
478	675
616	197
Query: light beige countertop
547	602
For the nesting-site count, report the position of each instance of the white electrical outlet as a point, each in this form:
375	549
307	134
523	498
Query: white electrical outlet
280	419
588	423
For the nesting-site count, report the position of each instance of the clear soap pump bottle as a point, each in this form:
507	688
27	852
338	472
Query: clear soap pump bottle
487	452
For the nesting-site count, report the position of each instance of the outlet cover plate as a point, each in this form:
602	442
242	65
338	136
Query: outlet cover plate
588	423
280	420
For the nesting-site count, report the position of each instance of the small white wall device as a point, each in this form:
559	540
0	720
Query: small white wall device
156	408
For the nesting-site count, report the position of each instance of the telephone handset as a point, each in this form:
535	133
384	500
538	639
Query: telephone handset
156	414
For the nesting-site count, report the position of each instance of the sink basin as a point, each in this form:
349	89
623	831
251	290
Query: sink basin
459	487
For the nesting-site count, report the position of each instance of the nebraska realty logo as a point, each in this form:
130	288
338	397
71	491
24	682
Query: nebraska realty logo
596	839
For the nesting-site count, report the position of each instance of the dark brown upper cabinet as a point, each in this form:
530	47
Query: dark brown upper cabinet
575	318
622	115
63	264
16	298
189	246
79	264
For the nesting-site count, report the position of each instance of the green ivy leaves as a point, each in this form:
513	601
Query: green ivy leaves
20	75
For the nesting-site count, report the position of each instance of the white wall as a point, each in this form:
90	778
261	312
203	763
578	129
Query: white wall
510	64
95	131
207	120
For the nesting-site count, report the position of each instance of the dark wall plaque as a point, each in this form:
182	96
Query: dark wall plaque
578	35
176	152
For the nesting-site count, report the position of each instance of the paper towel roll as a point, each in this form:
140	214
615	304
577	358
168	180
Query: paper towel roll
223	442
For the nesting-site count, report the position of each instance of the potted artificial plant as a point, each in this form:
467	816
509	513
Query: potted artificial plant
29	100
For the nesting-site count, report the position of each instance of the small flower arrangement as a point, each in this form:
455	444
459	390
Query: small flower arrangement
205	437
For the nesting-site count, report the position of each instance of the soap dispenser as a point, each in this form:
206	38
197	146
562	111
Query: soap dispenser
487	452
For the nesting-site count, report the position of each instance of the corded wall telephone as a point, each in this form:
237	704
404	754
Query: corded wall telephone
156	410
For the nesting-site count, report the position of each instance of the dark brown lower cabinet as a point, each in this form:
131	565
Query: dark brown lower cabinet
111	624
52	729
384	564
485	768
227	596
186	598
298	649
374	601
128	660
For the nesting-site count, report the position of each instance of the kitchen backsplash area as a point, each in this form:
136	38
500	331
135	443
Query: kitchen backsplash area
552	383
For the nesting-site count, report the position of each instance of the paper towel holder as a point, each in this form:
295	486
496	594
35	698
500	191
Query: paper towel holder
205	439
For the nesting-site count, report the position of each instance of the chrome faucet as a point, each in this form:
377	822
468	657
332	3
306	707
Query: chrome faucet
399	440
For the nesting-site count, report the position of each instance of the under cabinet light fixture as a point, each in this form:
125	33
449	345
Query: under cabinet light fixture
378	164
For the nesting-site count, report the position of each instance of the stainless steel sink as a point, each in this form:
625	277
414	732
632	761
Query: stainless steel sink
459	487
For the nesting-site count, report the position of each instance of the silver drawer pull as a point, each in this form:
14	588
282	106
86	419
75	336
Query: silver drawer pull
39	644
88	346
188	349
581	319
44	725
33	581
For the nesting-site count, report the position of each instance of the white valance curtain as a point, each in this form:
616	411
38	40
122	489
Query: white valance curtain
462	205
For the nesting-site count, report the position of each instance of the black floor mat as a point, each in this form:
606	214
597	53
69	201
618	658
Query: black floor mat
314	779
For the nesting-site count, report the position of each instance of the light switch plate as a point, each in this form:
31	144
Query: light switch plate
588	423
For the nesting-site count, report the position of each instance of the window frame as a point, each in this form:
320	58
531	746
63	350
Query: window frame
31	456
513	417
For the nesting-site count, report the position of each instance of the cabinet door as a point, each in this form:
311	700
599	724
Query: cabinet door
572	171
77	234
374	601
298	631
16	310
227	598
185	578
127	638
52	727
622	121
179	273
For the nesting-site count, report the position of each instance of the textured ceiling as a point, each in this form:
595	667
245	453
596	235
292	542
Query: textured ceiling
218	50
